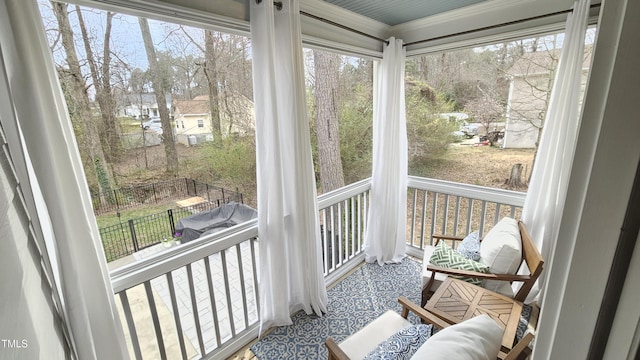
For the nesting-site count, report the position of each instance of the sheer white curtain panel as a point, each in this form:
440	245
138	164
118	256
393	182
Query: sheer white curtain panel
386	231
49	166
290	264
546	195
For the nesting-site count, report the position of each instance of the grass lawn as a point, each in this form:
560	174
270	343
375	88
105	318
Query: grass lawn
105	220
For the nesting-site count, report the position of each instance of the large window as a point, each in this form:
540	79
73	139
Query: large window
475	115
340	105
119	73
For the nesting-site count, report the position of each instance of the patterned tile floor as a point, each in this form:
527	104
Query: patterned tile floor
353	302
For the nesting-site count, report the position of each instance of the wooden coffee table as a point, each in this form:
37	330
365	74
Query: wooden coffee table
457	300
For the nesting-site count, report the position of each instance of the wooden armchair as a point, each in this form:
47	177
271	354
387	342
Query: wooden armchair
530	256
391	325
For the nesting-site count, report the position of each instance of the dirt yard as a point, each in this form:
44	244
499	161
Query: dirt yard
477	165
481	165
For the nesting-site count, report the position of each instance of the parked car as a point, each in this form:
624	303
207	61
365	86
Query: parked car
153	124
469	129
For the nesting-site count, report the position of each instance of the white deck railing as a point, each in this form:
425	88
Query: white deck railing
443	207
200	300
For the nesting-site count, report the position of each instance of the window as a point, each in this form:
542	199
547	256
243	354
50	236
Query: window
341	124
475	115
138	91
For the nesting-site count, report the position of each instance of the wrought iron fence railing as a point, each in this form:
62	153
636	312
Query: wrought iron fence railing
136	196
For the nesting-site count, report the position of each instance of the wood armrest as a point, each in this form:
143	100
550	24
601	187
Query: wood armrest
335	353
468	273
519	347
429	318
446	237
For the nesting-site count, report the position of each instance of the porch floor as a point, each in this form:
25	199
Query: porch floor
366	293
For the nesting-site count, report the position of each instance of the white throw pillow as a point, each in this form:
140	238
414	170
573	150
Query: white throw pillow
478	338
501	250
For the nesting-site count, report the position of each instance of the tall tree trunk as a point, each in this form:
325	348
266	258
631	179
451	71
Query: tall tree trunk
81	111
327	66
104	96
156	79
211	73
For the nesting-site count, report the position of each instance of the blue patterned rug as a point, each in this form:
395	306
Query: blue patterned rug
354	302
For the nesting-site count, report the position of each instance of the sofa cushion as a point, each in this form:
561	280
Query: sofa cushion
501	250
478	338
470	246
361	343
445	256
403	344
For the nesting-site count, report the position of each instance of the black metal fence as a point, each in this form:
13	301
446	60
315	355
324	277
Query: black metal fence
159	192
133	235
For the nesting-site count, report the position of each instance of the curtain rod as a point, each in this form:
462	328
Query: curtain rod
508	23
278	5
342	26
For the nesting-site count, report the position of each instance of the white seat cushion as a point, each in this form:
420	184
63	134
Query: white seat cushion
358	345
426	274
501	250
478	338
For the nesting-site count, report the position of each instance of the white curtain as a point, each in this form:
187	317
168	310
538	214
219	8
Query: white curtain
290	269
40	136
386	227
545	199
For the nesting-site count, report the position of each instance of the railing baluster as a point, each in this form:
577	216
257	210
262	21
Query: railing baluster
412	233
434	212
470	216
353	227
212	299
155	319
176	314
227	288
340	237
243	290
445	214
325	241
456	217
483	215
424	220
133	334
194	305
255	274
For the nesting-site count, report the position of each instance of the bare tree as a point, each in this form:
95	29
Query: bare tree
158	89
102	85
327	66
80	108
211	73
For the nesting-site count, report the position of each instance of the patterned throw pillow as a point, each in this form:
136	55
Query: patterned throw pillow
445	256
401	345
470	246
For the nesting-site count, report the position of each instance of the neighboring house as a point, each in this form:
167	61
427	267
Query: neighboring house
193	117
140	106
531	78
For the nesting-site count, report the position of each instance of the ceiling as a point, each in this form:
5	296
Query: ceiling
400	11
360	27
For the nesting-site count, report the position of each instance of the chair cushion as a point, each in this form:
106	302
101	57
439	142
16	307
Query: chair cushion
403	344
445	256
501	250
470	246
361	343
478	338
426	274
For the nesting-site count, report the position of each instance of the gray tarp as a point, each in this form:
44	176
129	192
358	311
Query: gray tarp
214	220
